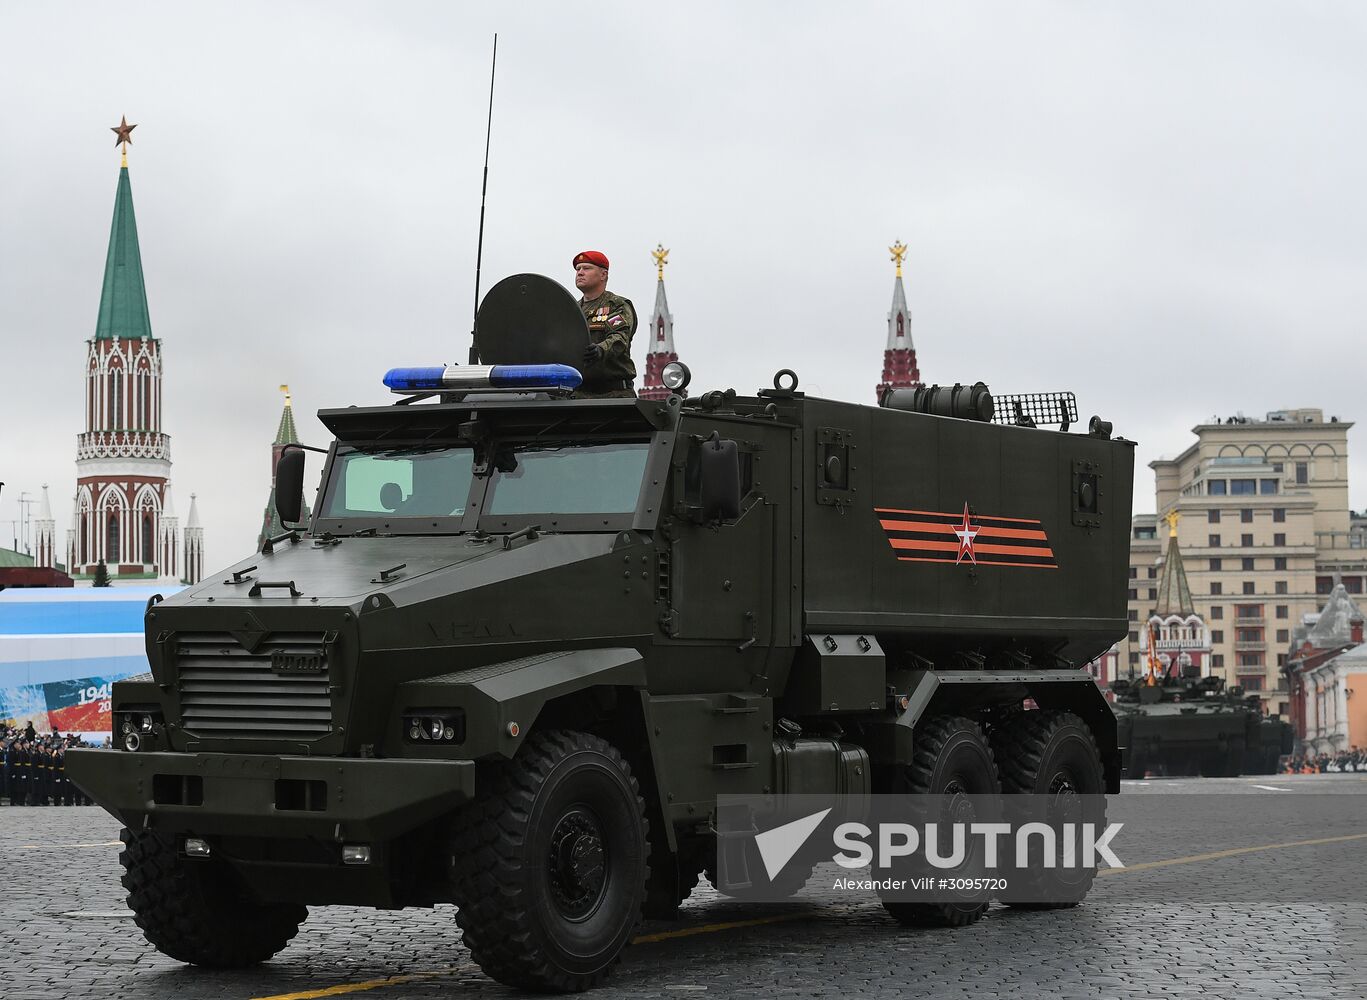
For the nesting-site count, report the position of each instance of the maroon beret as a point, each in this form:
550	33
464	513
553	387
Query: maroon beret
596	257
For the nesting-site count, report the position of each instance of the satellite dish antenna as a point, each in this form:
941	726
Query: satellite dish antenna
529	319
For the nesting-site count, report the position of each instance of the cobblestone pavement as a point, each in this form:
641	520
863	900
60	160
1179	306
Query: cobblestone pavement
64	931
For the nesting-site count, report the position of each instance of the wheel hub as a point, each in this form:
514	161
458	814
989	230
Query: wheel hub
576	865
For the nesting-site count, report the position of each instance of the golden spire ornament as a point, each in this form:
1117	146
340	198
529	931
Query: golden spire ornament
1172	517
898	251
661	256
286	390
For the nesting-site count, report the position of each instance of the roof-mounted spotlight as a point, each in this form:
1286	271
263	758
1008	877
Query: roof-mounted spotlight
676	376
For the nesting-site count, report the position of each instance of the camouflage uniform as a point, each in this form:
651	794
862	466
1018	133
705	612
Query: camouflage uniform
612	321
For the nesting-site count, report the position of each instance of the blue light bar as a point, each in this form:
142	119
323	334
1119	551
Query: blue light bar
445	377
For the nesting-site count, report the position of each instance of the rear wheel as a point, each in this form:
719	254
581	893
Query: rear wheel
951	758
1052	754
549	864
197	910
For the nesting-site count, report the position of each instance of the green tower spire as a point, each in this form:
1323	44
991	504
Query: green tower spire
123	300
1174	593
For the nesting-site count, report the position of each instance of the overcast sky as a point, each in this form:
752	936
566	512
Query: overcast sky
1159	206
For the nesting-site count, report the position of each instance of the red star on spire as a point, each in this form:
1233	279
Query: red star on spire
966	533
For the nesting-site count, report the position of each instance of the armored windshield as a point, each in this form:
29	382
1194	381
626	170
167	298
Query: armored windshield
568	479
400	483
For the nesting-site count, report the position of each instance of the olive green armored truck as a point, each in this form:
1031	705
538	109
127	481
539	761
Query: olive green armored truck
527	639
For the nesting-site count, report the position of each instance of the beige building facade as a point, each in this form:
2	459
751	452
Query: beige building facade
1265	531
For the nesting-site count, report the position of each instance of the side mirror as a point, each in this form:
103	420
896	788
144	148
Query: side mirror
289	485
719	470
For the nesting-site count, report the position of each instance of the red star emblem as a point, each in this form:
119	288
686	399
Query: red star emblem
966	533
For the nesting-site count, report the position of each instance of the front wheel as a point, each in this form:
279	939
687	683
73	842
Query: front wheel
549	864
196	910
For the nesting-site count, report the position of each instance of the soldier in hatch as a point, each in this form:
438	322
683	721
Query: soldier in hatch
607	367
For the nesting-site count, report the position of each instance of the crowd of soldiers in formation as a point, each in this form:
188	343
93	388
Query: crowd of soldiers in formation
33	768
1343	762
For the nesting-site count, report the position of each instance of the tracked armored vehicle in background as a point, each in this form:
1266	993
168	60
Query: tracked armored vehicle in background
1192	725
526	640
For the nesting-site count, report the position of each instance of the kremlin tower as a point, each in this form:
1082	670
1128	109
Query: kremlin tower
285	434
122	511
1180	636
660	349
899	358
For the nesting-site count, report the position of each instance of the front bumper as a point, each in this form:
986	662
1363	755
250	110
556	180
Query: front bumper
260	795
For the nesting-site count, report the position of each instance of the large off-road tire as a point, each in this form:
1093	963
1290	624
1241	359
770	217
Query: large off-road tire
1052	754
950	757
549	864
196	910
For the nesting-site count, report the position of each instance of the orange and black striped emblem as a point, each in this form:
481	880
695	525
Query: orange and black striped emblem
938	536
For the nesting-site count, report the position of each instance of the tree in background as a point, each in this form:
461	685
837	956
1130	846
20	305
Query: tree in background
101	575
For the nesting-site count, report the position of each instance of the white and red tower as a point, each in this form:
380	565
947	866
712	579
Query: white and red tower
123	459
660	350
899	358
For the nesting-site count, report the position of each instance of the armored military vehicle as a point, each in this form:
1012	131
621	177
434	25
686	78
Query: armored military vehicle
527	639
1186	724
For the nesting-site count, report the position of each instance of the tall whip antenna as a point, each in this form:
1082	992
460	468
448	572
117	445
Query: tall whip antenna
484	191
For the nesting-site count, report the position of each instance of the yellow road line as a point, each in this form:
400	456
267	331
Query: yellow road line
713	928
61	847
370	984
1232	852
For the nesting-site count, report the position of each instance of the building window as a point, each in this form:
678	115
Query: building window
111	545
1144	532
1279	539
1153	593
1134	615
1216	564
1243	487
1279	563
1246	515
1283	635
1134	637
1215	487
1246	541
1248	635
1251	683
1134	659
1153	572
1247	563
1134	572
1324	584
1279	514
1250	659
1133	594
1352	584
1279	587
1213	516
1283	611
1248	587
1281	662
1216	587
1217	612
116	398
1302	473
1214	541
147	550
1267	486
1248	610
1217	636
1217	660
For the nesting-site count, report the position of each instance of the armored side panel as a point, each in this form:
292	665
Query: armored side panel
962	535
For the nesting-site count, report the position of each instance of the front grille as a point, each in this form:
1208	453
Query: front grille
228	692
